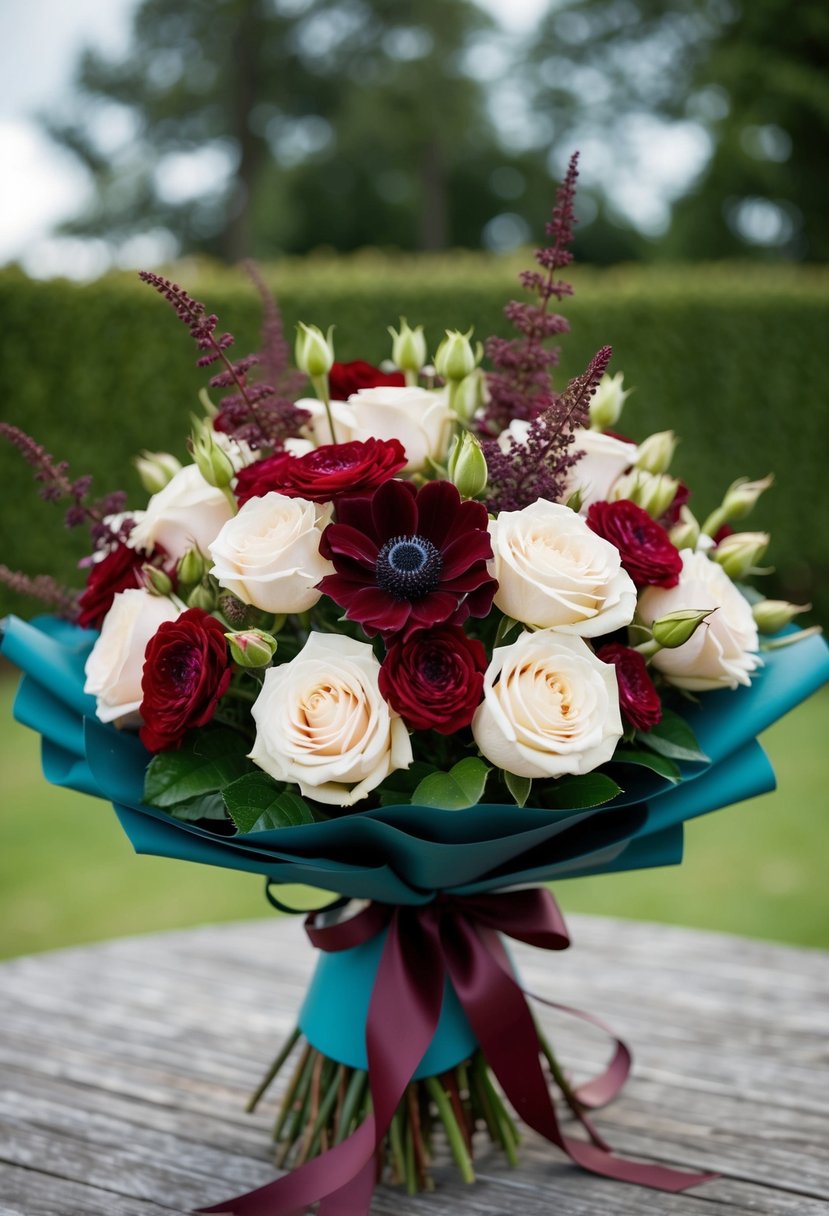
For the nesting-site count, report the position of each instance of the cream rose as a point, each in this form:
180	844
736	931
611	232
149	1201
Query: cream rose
116	661
420	419
268	555
721	653
321	722
604	459
550	707
554	572
317	430
188	513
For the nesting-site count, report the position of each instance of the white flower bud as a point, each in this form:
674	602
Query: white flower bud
408	350
607	402
467	466
314	350
455	359
212	460
675	628
653	492
685	534
156	580
739	553
252	647
156	469
654	454
772	615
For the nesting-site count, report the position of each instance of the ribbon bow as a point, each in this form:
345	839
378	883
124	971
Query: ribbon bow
458	938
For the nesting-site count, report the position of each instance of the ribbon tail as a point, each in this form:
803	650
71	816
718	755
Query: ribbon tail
510	1044
412	973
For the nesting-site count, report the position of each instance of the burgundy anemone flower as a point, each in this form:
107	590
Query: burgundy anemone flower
408	559
638	699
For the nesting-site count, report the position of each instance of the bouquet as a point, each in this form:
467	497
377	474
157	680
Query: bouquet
423	641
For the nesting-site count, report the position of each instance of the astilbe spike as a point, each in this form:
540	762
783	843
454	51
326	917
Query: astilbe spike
57	486
44	588
519	385
538	467
253	412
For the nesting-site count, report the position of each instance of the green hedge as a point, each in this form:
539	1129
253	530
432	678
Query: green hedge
733	358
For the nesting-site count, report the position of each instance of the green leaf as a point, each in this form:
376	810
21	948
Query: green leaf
203	765
519	787
206	806
658	764
256	803
461	787
673	737
580	793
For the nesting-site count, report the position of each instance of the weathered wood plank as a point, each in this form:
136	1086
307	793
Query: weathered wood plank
124	1068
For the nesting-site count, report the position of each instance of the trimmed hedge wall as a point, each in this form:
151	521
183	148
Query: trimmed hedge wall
732	358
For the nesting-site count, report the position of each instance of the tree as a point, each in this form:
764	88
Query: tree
751	76
344	122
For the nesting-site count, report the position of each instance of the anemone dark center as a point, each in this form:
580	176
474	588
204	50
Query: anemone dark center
408	567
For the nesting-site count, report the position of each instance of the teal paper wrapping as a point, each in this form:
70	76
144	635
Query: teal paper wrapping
404	854
335	1009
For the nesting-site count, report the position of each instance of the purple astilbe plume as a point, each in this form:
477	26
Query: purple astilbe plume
57	486
254	412
44	588
519	384
538	467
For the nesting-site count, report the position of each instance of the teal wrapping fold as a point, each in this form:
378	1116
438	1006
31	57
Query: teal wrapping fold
404	854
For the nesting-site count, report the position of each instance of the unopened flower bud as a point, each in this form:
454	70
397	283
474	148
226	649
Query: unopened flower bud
202	596
739	500
675	628
685	534
156	580
314	351
655	454
455	359
607	401
252	647
467	466
772	615
739	553
192	568
408	348
155	469
213	462
653	492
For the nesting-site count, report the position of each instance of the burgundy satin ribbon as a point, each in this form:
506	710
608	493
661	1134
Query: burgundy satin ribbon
457	938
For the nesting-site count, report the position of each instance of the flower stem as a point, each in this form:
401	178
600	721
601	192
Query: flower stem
454	1134
270	1075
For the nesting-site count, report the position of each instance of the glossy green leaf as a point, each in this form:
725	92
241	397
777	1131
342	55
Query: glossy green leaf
674	738
203	765
461	787
580	793
519	787
662	765
256	803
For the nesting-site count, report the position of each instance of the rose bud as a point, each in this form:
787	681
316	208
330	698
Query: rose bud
739	553
156	580
740	498
192	568
607	402
408	349
773	615
467	466
155	469
252	647
685	534
455	358
655	454
203	596
214	463
676	628
314	351
654	492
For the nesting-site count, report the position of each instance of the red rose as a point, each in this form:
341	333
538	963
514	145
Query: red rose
644	546
120	570
187	668
333	468
638	699
346	378
435	679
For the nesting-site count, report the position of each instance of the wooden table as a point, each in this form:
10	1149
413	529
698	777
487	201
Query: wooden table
124	1069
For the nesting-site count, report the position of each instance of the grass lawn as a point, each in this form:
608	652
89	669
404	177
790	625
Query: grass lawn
68	873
